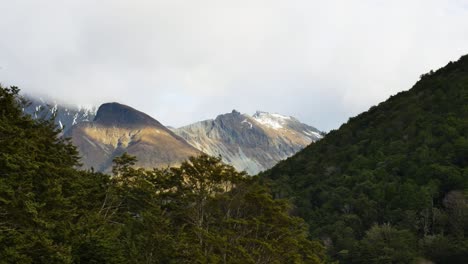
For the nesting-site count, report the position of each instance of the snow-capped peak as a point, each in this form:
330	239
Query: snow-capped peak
275	121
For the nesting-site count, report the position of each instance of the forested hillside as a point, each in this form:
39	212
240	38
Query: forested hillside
390	185
201	212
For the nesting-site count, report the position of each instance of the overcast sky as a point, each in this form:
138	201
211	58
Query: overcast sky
183	61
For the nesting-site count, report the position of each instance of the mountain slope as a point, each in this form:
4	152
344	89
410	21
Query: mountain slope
117	129
250	143
398	170
201	212
65	115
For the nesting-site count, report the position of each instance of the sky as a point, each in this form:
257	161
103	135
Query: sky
184	61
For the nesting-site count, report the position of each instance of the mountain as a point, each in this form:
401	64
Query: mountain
250	143
202	211
118	128
65	115
391	184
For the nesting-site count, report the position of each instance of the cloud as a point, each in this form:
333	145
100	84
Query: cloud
182	61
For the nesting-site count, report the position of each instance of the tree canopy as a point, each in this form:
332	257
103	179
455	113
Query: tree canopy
400	169
203	211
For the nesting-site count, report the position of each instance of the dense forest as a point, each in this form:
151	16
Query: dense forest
390	185
201	212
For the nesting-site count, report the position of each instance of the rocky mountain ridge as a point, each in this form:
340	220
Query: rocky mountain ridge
251	143
66	116
119	128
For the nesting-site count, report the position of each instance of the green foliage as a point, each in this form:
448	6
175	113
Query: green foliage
385	244
35	172
403	162
201	212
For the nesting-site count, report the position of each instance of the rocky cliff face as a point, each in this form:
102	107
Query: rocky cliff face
250	143
66	116
117	129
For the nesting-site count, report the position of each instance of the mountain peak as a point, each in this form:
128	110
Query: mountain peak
272	115
123	115
275	121
250	143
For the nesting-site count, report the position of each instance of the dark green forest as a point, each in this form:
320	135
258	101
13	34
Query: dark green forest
390	185
201	212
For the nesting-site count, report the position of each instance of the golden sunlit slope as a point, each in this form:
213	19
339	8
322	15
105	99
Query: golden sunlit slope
117	129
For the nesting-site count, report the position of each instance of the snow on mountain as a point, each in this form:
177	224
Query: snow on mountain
275	121
251	143
66	116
